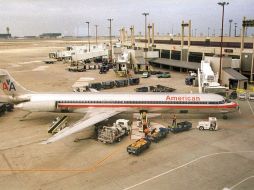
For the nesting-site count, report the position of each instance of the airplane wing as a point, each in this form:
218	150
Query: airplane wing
89	119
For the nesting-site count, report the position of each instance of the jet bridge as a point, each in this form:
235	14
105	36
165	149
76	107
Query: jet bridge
81	56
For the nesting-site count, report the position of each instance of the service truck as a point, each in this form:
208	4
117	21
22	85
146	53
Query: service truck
111	134
251	96
211	124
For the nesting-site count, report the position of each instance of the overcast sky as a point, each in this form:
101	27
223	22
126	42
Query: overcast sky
33	17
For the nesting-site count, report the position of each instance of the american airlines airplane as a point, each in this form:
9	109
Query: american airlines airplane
99	106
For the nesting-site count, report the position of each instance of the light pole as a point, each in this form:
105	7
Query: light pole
195	32
221	41
230	22
96	34
110	40
208	33
88	35
145	14
235	28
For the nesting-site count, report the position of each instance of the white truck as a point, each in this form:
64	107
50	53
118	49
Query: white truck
242	96
251	96
211	124
111	134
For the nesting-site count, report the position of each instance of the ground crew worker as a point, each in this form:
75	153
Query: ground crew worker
146	131
174	121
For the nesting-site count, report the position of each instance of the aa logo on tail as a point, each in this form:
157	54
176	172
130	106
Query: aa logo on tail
8	85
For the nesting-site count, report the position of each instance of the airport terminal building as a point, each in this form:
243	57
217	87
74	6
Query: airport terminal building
185	53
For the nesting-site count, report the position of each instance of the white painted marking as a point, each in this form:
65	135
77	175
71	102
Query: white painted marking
238	183
85	79
15	65
250	107
29	62
186	164
24	63
40	68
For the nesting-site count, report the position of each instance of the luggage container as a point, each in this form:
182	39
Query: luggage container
139	146
121	83
180	127
156	136
142	89
160	88
96	85
108	84
133	81
2	109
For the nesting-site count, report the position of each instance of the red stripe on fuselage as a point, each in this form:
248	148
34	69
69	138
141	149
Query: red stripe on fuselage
73	105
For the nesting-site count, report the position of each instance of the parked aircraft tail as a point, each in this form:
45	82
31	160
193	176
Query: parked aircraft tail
11	87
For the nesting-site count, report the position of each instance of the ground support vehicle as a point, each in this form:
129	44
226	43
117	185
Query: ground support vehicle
96	86
142	89
6	107
133	81
139	146
2	109
121	83
49	61
160	88
180	127
157	88
9	107
77	68
211	124
189	80
156	136
251	96
104	69
164	75
145	75
108	84
242	96
111	134
155	72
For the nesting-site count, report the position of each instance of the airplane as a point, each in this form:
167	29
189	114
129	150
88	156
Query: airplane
99	106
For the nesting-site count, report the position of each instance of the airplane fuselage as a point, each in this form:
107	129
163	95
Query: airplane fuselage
130	102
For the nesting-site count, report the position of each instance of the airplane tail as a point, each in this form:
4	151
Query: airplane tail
11	87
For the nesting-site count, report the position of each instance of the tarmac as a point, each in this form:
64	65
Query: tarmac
189	160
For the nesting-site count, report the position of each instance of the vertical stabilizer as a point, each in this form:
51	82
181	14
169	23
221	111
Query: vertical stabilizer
9	86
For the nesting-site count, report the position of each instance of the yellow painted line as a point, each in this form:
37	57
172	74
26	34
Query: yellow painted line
92	168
